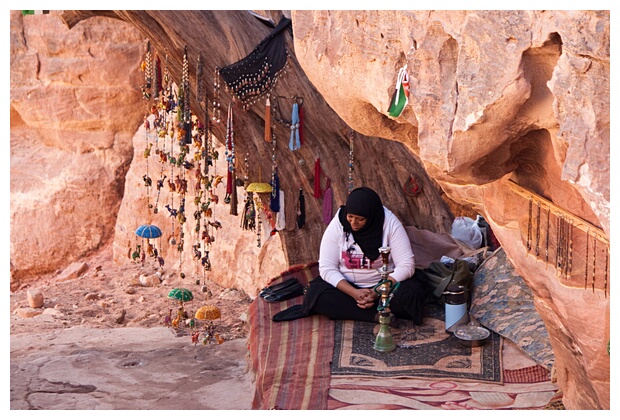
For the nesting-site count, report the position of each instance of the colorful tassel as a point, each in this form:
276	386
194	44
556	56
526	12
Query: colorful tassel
274	203
294	141
301	124
317	179
301	210
268	121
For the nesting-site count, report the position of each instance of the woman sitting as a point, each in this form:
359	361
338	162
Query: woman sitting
349	260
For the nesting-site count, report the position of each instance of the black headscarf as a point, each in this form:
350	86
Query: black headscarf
365	202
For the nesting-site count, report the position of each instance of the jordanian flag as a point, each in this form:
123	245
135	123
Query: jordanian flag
400	98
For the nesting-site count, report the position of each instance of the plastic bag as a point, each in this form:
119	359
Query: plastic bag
466	230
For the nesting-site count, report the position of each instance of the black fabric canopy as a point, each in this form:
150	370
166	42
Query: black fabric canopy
256	74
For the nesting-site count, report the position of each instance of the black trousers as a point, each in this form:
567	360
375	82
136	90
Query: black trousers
407	303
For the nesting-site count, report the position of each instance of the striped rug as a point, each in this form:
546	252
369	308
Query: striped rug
290	360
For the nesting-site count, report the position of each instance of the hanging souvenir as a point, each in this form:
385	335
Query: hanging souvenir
274	202
187	120
301	210
147	69
280	216
412	188
268	120
317	178
231	189
256	74
248	221
294	143
200	86
217	113
301	122
400	98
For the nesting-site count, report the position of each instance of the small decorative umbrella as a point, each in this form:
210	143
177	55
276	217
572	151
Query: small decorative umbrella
148	231
208	312
181	294
259	187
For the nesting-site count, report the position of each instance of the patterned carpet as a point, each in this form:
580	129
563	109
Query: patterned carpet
291	362
425	351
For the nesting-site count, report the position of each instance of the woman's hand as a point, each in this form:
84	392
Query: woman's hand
365	298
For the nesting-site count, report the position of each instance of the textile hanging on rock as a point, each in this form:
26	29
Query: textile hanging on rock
255	75
400	98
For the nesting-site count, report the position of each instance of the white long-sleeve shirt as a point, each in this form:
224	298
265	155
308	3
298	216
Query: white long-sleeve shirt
341	258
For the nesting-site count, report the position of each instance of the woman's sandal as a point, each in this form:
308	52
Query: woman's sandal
289	292
277	287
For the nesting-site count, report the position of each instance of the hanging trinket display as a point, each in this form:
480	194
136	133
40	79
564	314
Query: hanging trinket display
560	238
248	221
179	162
146	67
255	75
231	188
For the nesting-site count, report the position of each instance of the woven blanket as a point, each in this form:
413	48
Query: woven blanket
362	393
425	351
503	302
290	359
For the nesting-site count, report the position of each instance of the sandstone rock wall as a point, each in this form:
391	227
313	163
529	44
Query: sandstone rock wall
496	96
497	99
73	115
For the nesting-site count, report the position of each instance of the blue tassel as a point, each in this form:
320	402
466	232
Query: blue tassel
294	141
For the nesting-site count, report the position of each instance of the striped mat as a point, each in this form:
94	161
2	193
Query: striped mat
290	360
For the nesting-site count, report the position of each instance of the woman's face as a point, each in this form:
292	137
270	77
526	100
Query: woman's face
356	222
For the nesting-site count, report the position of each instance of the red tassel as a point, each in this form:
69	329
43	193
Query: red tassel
268	121
301	124
317	179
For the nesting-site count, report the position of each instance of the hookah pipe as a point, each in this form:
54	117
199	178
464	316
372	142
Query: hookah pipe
385	288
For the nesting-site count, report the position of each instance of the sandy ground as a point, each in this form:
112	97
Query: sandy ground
105	330
109	296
